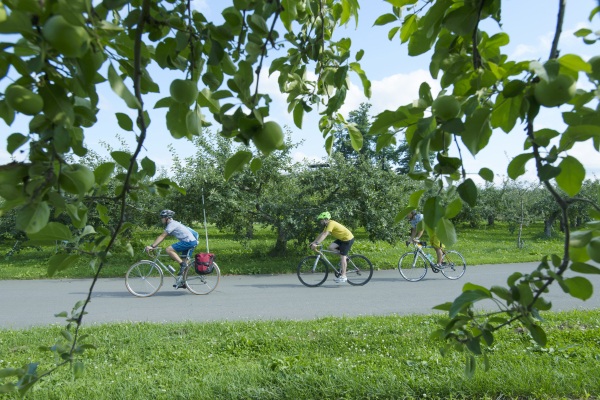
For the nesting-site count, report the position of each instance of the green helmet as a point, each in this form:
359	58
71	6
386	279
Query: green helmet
324	215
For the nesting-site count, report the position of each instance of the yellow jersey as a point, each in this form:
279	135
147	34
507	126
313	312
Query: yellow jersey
338	231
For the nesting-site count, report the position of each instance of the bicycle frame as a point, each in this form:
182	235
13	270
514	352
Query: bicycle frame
314	269
321	253
157	259
418	249
413	264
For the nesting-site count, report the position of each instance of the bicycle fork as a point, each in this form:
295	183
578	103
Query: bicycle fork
314	267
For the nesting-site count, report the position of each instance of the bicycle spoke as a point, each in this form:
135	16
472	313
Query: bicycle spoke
312	271
453	265
143	279
202	283
412	267
359	270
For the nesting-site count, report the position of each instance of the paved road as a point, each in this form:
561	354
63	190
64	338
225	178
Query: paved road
260	297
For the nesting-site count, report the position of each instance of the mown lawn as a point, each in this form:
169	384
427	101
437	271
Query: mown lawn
388	357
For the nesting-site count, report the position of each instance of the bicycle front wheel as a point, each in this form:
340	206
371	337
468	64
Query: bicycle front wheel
312	271
202	283
144	278
453	265
359	270
412	267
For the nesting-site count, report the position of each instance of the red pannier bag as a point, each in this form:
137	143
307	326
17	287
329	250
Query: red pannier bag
203	263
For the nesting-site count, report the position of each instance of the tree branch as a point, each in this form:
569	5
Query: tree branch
562	4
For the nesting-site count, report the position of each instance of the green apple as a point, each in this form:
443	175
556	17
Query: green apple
269	138
76	178
23	100
555	92
70	40
184	91
595	63
445	107
593	249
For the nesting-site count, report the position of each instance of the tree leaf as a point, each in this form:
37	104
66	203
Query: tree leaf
446	232
537	333
579	287
584	268
409	26
14	141
433	211
516	167
117	85
572	174
148	166
487	174
477	131
60	262
124	121
33	217
53	231
122	158
103	172
355	137
385	19
465	300
236	163
453	209
298	115
467	191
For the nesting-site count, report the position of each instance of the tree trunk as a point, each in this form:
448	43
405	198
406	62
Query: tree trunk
280	248
491	220
548	222
250	231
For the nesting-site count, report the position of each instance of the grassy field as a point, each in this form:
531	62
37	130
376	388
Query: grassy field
491	245
333	358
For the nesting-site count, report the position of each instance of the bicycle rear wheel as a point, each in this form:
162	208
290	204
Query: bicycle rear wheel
312	271
202	283
412	267
359	270
143	278
453	265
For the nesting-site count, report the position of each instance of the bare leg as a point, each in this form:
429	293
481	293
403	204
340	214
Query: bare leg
440	255
173	254
344	264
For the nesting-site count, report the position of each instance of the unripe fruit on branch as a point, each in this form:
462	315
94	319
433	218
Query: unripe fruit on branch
69	40
445	107
23	100
555	92
183	91
269	138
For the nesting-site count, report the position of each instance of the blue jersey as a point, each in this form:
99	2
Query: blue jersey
416	219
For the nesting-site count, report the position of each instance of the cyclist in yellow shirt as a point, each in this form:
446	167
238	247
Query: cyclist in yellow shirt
342	244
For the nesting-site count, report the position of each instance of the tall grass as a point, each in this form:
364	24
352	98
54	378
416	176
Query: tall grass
388	357
490	245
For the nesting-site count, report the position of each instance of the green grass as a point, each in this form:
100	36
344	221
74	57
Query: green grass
332	358
479	246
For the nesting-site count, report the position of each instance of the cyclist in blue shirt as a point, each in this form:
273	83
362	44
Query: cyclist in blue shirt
416	231
188	238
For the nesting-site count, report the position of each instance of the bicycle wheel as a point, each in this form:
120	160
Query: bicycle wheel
412	267
312	271
359	270
144	278
202	284
453	265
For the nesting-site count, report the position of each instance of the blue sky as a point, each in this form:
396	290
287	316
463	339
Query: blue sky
395	81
